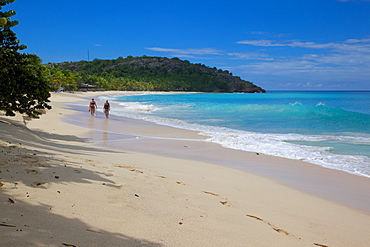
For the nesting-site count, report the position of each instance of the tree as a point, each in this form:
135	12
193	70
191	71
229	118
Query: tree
23	86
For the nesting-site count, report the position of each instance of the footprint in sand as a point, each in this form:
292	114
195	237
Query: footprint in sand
31	171
131	168
223	202
38	183
136	170
279	230
321	245
210	193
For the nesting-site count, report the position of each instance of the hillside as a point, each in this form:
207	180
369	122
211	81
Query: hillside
163	74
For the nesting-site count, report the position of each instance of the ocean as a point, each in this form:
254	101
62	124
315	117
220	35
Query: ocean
326	128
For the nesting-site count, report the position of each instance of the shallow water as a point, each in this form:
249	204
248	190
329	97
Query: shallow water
331	129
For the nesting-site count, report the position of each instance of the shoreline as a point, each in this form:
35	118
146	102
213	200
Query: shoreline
140	136
69	191
340	150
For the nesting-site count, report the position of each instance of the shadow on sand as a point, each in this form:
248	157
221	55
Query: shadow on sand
31	221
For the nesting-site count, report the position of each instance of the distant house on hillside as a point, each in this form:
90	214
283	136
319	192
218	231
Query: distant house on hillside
61	89
87	87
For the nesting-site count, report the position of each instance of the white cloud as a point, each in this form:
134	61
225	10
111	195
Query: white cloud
346	61
262	42
353	41
203	51
363	45
294	60
267	34
309	85
339	59
250	55
281	67
351	52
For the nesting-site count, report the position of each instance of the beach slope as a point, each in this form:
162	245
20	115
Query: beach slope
56	189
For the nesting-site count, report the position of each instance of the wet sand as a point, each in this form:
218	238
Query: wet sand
102	183
120	133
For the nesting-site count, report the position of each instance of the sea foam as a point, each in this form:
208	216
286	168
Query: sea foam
307	146
279	145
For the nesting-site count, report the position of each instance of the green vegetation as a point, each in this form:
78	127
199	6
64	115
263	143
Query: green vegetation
148	73
23	87
25	83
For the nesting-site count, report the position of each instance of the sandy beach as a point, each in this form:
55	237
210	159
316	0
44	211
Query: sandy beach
109	182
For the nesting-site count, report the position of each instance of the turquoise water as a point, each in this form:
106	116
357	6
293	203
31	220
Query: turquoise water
331	129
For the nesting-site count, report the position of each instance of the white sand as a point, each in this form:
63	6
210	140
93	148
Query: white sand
66	191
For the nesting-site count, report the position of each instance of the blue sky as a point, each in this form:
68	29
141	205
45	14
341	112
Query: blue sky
286	44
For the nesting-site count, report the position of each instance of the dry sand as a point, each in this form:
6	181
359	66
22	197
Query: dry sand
56	189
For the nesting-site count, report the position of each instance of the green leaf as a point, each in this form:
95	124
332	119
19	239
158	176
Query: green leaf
3	21
23	86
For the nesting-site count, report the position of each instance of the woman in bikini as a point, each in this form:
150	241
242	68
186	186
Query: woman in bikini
106	108
92	107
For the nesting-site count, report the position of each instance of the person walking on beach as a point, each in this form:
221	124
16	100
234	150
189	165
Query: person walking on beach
92	107
106	108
